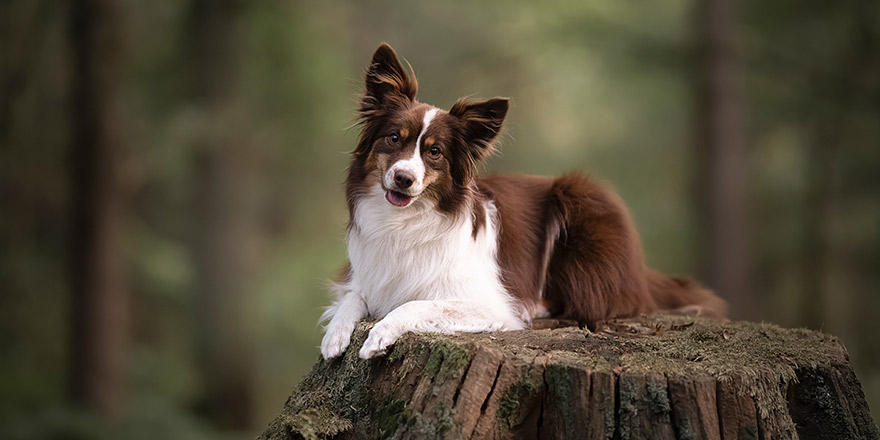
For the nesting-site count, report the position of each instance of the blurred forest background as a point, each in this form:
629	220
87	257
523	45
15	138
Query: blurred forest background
171	205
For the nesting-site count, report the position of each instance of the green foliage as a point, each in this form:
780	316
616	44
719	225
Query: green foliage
148	420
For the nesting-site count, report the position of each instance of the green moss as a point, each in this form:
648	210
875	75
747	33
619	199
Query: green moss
315	409
434	362
317	423
448	358
513	398
456	357
399	351
628	411
657	397
434	425
346	385
445	417
724	349
560	384
408	356
390	417
587	360
704	336
684	428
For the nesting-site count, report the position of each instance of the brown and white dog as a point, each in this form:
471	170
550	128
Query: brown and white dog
432	247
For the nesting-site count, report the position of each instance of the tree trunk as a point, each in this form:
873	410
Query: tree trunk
100	297
658	377
817	252
721	156
224	215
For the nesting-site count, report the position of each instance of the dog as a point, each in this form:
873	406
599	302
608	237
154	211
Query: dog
433	247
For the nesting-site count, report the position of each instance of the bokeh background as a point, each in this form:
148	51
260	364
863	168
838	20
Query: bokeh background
171	206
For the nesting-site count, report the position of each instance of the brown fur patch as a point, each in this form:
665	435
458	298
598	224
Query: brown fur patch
522	203
596	270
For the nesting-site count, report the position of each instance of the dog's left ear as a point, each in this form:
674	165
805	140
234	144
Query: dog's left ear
482	123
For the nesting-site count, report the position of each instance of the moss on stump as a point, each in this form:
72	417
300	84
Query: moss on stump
656	377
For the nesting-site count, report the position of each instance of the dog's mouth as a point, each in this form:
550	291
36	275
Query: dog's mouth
397	199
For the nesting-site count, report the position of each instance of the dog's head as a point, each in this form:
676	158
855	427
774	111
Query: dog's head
414	150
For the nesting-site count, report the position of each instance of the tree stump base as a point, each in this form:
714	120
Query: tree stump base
655	377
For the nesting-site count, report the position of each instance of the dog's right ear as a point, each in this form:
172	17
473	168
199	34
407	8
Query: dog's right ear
387	82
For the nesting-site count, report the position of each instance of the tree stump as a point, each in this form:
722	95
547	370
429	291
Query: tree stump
655	377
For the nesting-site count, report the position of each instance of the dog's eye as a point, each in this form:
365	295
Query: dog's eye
394	138
434	152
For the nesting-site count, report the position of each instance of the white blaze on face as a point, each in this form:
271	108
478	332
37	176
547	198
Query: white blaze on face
414	165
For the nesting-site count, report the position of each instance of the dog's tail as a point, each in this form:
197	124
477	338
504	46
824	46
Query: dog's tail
684	296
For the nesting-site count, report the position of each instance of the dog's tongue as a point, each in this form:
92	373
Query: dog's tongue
397	199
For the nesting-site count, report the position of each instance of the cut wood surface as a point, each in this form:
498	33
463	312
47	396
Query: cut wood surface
655	377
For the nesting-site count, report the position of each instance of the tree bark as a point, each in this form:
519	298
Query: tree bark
100	296
721	155
657	377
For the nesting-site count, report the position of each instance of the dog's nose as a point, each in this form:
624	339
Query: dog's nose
403	179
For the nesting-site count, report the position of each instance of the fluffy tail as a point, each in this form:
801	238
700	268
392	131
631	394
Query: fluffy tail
685	296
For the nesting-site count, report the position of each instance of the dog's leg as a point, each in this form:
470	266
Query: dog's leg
344	313
435	316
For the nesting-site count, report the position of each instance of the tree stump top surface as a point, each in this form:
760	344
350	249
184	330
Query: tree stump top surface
658	376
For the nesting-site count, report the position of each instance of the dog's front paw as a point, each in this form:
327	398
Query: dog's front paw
335	342
381	337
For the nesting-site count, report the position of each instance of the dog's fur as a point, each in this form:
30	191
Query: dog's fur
432	247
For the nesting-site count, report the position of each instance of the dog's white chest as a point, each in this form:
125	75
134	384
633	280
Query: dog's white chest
417	253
